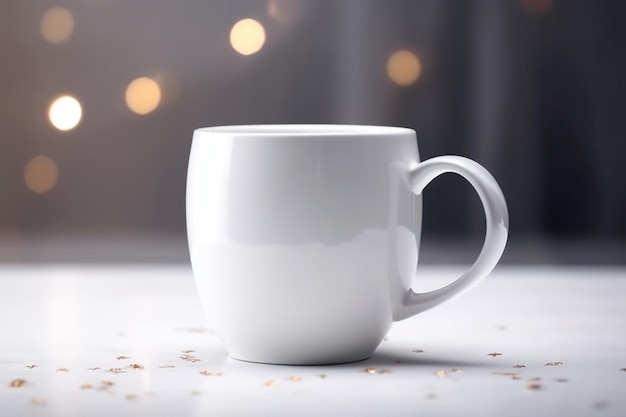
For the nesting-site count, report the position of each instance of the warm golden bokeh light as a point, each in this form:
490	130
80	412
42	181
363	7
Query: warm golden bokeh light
537	7
247	36
143	95
65	113
285	11
403	67
41	174
57	25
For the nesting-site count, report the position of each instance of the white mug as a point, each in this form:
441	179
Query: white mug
304	239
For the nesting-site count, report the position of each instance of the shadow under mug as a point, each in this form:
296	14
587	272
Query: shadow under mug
304	239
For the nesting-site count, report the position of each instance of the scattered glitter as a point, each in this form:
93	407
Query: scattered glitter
418	351
105	385
516	377
554	364
384	371
86	386
294	378
31	366
166	366
206	373
116	370
535	379
123	357
63	370
187	357
561	380
369	370
519	366
535	386
494	354
271	384
189	351
93	369
136	366
39	402
446	372
18	383
131	397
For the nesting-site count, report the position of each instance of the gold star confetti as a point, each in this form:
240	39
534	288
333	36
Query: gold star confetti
271	384
131	397
136	366
122	357
369	370
294	378
116	370
535	386
418	351
494	354
63	370
554	364
519	366
31	366
18	383
446	372
189	358
208	373
166	366
39	402
86	386
93	369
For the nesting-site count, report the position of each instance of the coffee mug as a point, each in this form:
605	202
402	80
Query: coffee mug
304	239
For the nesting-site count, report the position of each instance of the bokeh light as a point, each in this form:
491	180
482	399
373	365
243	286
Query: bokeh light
537	8
403	68
41	174
65	113
247	36
285	12
57	25
143	95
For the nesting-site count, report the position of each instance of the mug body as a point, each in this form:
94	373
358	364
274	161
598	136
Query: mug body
300	235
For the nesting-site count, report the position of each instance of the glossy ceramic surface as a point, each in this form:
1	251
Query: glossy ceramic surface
304	239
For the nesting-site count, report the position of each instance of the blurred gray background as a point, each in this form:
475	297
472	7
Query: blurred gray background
534	90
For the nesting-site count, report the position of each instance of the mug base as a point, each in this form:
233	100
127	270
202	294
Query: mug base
302	362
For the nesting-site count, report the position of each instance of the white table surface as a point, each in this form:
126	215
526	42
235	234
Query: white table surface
63	328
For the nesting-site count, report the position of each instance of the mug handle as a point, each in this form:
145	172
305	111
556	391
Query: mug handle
497	221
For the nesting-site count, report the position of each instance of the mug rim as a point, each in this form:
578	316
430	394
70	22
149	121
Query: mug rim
306	130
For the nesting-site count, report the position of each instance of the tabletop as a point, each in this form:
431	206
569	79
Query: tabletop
132	339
